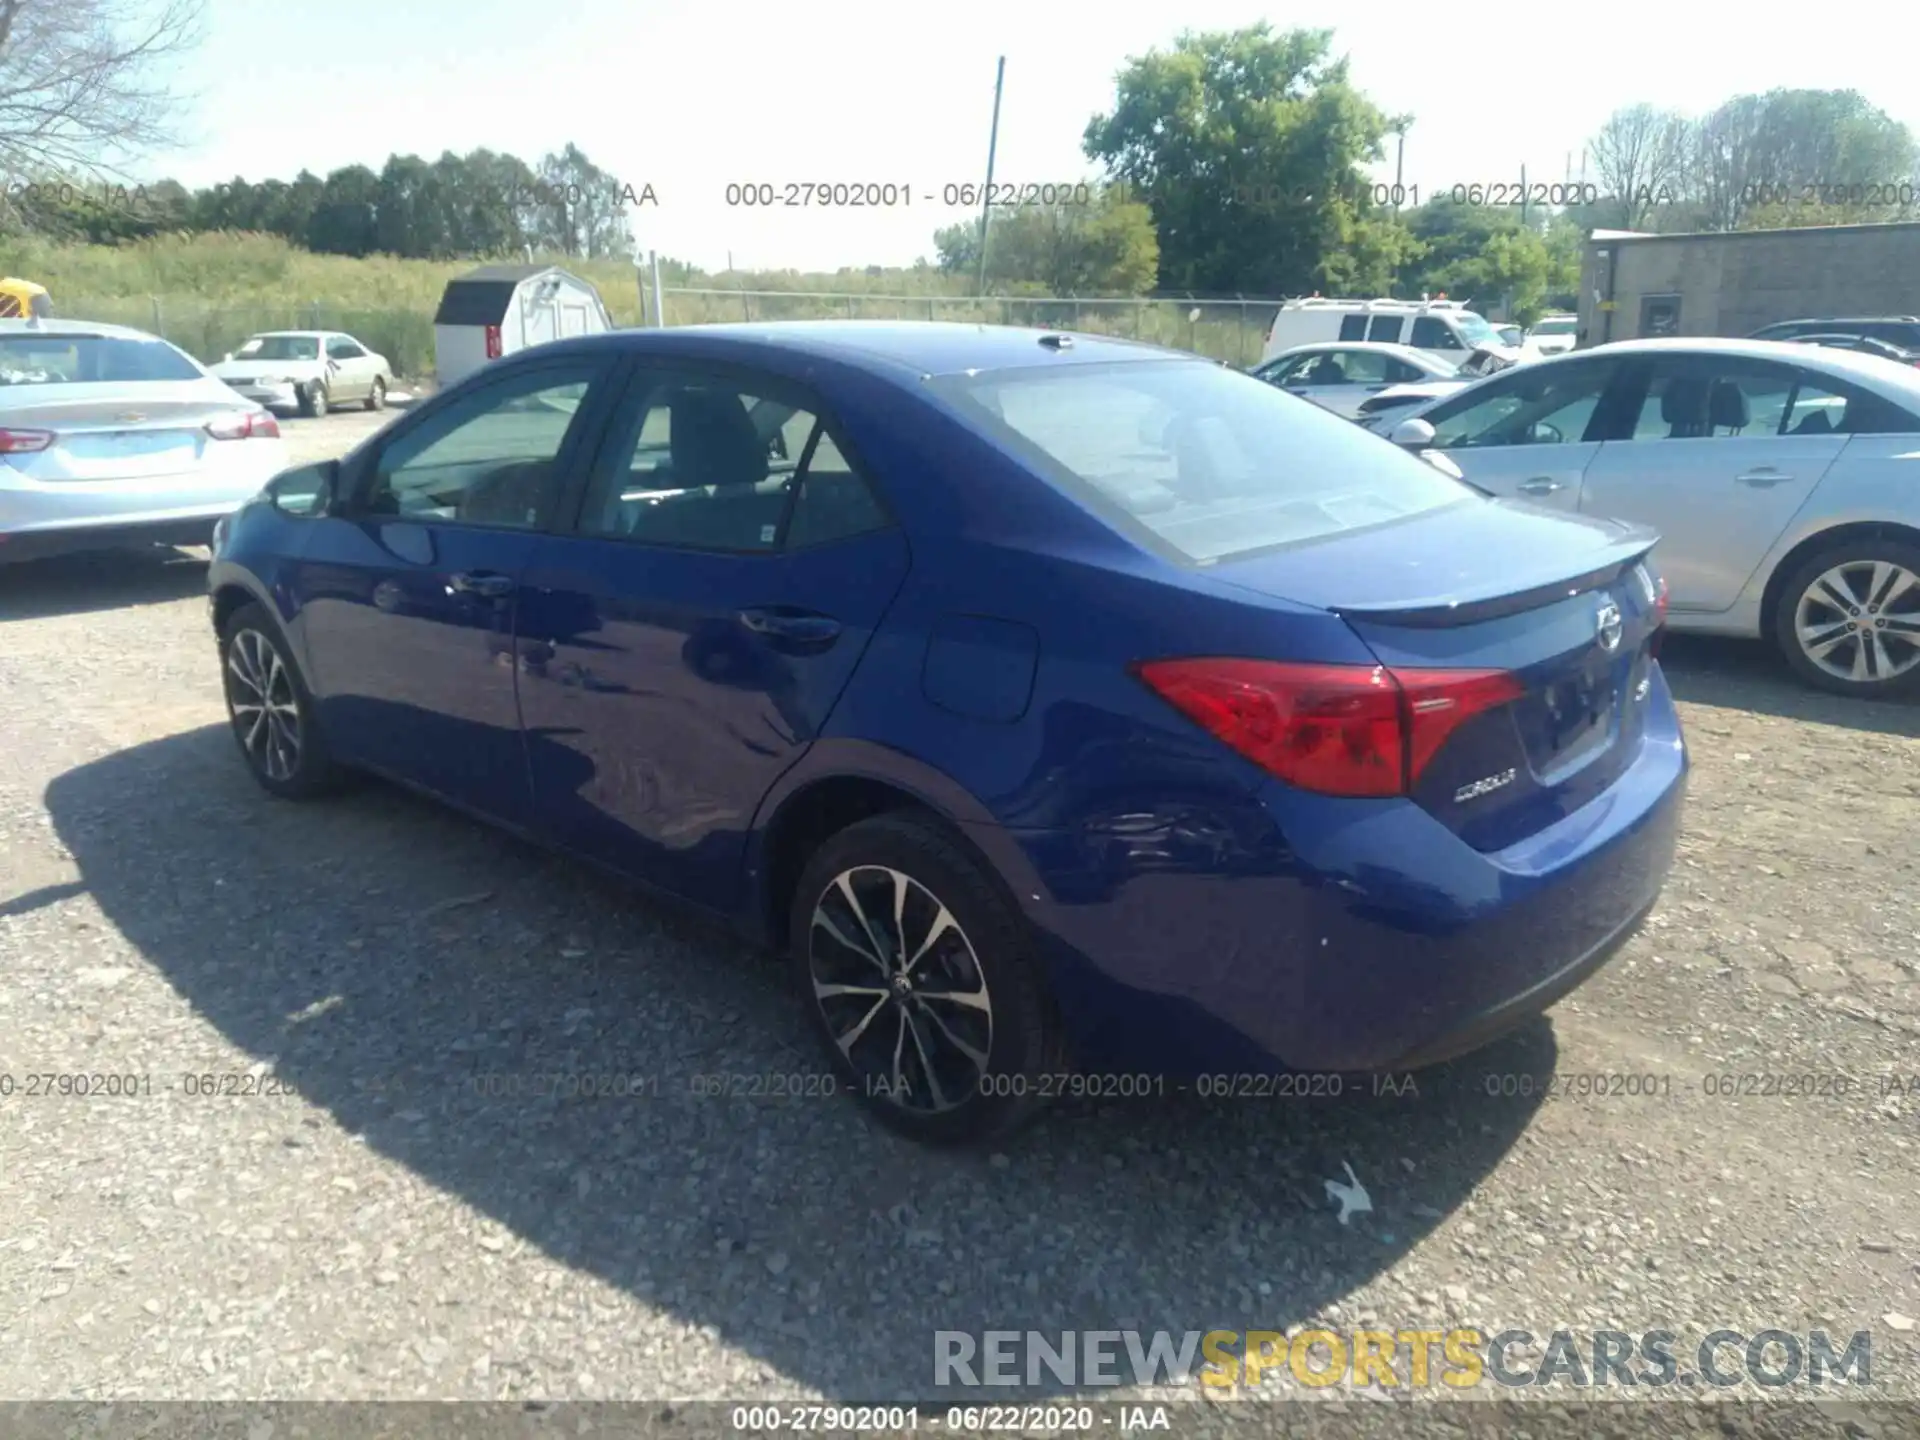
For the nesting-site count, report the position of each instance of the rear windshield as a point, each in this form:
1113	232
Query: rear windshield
1556	327
1198	458
89	360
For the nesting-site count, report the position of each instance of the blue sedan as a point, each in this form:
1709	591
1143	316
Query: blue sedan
1053	703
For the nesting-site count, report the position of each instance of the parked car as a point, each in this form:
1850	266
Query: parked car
1553	335
1901	330
112	437
1865	344
1784	481
1445	329
1379	411
311	371
1030	740
1338	377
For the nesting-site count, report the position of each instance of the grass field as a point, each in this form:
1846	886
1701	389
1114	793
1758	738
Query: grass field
207	293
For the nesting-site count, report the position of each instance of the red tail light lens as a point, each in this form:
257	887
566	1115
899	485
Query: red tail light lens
493	342
1351	730
244	425
24	442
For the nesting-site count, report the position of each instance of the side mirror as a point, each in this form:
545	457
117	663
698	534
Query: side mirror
306	492
1414	434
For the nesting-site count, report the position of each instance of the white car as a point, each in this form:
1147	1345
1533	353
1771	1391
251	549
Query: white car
1445	329
1553	334
1380	412
311	371
1784	481
1340	377
112	437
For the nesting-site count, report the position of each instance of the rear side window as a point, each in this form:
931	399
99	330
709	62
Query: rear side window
1195	459
1385	328
1353	327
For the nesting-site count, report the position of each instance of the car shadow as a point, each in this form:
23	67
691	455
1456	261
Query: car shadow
1750	675
100	580
415	974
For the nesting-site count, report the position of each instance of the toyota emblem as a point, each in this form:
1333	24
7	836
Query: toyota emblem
1609	625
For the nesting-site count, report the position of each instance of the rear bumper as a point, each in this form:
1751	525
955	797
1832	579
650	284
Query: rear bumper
32	508
273	397
24	545
1347	935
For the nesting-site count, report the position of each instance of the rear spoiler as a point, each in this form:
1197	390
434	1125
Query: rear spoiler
1440	612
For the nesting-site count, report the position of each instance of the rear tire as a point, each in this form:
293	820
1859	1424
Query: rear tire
271	711
919	980
1848	619
377	396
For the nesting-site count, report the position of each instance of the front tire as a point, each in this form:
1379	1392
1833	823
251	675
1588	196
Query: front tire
377	396
919	980
313	400
1848	619
271	711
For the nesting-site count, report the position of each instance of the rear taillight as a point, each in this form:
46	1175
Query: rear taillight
1354	730
493	342
24	442
244	425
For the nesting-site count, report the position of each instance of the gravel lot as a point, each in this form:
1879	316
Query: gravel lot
400	1225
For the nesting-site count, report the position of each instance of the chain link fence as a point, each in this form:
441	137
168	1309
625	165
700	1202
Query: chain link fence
1229	330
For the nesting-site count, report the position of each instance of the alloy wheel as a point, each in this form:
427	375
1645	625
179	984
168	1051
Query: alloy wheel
264	705
1860	621
901	989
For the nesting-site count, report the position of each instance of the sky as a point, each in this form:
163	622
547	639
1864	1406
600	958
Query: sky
688	98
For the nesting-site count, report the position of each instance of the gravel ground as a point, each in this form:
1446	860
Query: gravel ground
413	1218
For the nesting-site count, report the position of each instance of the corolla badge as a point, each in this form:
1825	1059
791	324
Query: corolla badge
1609	626
1482	787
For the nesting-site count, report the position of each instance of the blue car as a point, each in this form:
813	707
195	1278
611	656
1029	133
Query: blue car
1054	704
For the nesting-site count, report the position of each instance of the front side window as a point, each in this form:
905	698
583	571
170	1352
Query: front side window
706	464
341	348
1430	333
489	459
27	359
1549	405
1190	458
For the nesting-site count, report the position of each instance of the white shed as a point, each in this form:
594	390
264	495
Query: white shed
498	309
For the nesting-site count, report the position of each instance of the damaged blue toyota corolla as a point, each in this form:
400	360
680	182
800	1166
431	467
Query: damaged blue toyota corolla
1049	701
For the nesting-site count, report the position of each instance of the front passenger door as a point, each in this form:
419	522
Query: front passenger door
1531	434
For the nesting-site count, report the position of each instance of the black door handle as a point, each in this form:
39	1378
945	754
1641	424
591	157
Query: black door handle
484	583
794	627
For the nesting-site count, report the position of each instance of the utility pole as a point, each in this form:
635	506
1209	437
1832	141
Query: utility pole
1523	196
993	144
1399	166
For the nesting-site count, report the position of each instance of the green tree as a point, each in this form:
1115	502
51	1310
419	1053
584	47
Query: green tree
1106	247
1488	256
1248	148
344	220
581	209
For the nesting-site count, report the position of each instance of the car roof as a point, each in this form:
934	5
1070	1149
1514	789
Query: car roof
47	325
292	334
923	347
1888	377
1847	320
1411	353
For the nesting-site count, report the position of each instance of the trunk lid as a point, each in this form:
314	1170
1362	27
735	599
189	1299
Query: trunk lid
1565	605
160	432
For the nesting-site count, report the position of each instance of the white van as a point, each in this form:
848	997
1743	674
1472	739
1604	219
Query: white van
1445	329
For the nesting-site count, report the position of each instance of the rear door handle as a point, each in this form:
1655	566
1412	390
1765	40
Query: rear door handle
1766	475
792	627
485	583
1540	485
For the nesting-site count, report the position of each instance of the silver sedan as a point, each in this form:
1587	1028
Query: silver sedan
111	437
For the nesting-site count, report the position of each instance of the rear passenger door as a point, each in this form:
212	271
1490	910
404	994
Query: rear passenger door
685	638
1722	454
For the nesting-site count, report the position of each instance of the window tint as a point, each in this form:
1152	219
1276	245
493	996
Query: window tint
1353	327
488	459
1690	398
1190	457
1551	405
1430	333
701	464
1385	328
